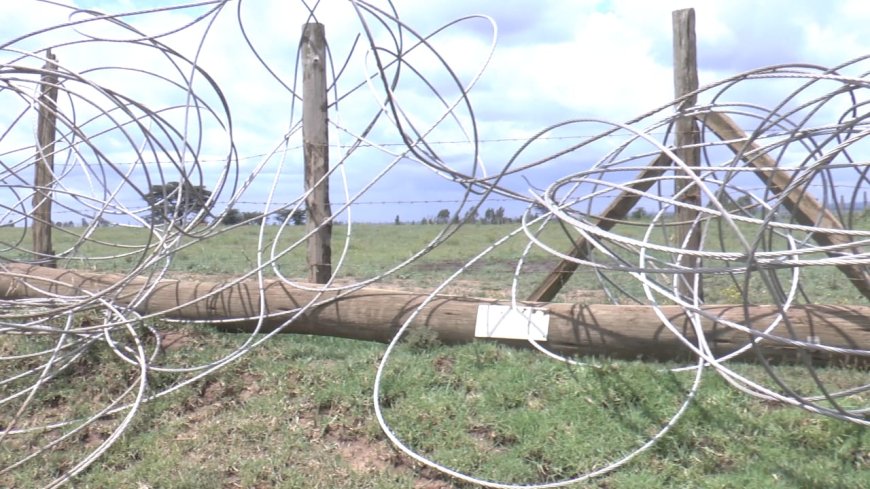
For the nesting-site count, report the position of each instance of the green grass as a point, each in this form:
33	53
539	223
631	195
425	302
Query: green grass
296	412
376	248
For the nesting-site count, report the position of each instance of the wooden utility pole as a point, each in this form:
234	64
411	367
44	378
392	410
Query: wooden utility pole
43	179
623	331
687	139
316	148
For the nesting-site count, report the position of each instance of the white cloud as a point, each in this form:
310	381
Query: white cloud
555	60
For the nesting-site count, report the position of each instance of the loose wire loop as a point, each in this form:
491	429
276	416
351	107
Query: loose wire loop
124	129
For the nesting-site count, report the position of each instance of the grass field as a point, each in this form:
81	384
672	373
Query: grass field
296	412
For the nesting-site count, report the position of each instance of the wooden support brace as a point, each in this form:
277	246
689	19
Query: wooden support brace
615	212
804	207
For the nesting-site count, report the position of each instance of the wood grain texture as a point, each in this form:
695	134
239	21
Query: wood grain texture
686	140
315	135
43	178
619	331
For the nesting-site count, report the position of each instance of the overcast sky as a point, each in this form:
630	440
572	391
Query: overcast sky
548	61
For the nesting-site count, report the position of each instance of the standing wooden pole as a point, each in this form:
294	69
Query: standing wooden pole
687	139
316	148
43	179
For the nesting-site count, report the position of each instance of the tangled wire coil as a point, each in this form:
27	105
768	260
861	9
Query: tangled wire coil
140	146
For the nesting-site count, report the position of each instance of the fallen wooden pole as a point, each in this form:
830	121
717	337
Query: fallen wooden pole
620	331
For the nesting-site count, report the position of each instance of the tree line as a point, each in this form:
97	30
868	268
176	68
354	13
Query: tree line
234	216
471	216
176	201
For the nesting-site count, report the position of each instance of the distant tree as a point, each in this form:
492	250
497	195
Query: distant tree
231	216
499	216
296	217
732	204
489	216
745	201
539	209
174	201
443	216
638	213
397	221
253	218
494	216
471	216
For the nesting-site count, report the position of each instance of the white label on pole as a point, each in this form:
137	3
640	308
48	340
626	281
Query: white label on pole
520	323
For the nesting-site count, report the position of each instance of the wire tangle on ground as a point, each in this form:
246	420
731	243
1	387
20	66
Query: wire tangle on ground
153	143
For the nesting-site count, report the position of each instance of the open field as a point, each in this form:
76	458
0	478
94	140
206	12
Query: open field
296	412
377	248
